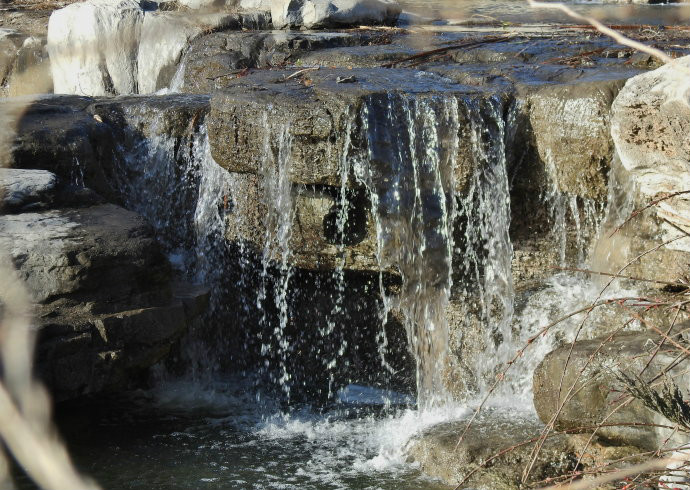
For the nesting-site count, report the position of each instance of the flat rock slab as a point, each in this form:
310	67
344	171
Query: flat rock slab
441	454
62	252
22	189
318	110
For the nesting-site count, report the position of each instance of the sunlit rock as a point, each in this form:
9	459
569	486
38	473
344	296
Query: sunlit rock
324	13
22	189
93	47
651	130
595	394
570	124
493	453
164	37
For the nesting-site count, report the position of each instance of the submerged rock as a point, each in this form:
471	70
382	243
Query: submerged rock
475	460
331	13
651	130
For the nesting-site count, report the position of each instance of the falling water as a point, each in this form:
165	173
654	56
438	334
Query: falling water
486	252
412	151
277	189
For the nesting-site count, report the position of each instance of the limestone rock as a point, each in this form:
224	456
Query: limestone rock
164	38
264	5
20	189
105	309
597	391
651	130
441	456
63	252
93	47
570	124
324	13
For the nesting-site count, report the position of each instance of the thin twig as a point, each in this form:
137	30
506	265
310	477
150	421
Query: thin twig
619	276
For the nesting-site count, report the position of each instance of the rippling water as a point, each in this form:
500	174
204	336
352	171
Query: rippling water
520	11
228	436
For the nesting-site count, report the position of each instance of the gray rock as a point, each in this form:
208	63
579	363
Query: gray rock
441	454
324	13
213	60
104	307
64	252
651	128
570	124
598	392
20	189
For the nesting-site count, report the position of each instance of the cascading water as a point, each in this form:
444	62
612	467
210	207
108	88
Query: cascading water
277	189
485	256
412	151
446	238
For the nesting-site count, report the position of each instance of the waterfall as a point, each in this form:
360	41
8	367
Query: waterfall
437	191
277	190
485	258
408	170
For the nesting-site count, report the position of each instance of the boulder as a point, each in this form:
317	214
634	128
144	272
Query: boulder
105	307
165	36
93	47
441	454
650	124
312	14
598	393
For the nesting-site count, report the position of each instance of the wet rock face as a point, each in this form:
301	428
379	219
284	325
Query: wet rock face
442	454
331	13
571	127
105	311
650	127
598	394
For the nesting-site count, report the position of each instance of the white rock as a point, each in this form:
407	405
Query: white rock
651	130
264	5
93	47
322	13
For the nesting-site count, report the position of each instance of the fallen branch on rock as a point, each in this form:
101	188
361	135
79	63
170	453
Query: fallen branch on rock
473	43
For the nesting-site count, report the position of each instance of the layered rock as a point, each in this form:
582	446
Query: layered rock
105	309
571	129
650	127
